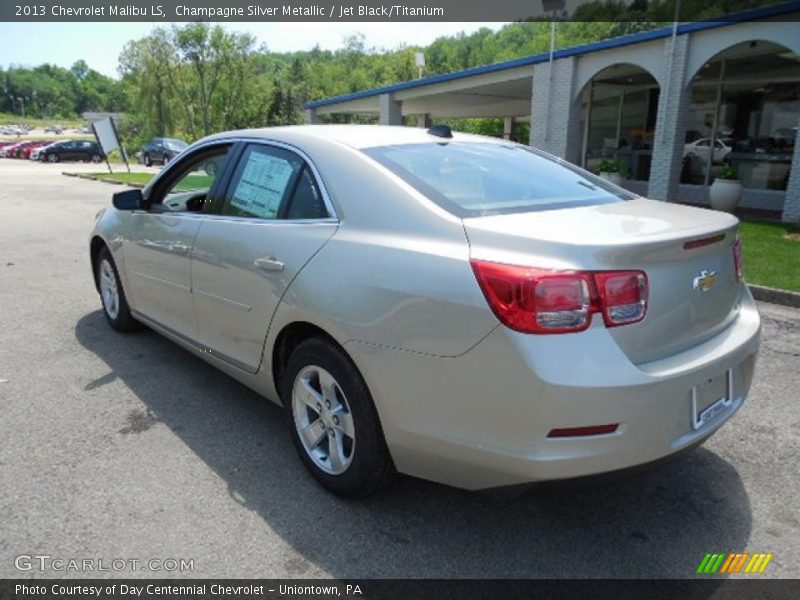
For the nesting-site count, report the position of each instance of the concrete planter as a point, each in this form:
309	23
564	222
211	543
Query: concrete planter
724	194
615	178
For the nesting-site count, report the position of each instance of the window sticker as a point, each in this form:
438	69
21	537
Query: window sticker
262	184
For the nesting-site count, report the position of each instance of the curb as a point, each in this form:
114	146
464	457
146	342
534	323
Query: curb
102	179
775	296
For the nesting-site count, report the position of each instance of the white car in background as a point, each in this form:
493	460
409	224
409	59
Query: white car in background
701	149
37	152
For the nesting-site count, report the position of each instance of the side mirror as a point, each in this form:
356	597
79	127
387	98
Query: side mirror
128	200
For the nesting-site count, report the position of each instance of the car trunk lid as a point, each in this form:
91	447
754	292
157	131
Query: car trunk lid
687	254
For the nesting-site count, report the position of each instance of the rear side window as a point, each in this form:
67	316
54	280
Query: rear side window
471	179
273	183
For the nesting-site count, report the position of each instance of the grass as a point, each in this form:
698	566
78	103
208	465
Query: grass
771	253
190	182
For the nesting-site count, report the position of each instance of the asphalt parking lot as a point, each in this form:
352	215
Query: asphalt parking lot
129	447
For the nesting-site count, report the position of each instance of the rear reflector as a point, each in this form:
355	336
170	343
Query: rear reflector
583	431
532	300
703	242
737	257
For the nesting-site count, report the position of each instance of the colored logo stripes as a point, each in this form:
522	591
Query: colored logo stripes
741	562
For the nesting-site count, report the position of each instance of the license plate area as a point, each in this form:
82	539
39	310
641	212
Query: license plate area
710	398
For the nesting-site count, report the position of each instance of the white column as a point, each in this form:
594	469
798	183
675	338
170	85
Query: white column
673	111
508	128
791	205
390	110
555	109
312	118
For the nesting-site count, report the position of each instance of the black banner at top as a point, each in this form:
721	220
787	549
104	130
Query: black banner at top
169	11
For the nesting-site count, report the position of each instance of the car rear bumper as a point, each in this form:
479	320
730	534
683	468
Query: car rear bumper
482	419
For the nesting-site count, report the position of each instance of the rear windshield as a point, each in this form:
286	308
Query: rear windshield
472	179
175	144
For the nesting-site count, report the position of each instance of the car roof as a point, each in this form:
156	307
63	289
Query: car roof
355	136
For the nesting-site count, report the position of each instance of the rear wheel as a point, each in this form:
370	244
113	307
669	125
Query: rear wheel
115	304
96	158
333	420
147	161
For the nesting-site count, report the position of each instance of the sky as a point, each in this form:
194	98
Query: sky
99	44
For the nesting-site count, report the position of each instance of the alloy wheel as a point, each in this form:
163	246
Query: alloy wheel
109	289
323	420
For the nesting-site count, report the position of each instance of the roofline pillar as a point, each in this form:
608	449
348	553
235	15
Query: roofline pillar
390	110
508	128
791	204
312	118
671	119
555	110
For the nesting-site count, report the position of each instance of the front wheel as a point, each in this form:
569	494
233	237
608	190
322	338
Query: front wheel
147	161
115	304
96	158
333	420
53	158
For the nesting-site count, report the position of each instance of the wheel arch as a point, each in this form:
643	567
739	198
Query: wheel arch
290	337
95	246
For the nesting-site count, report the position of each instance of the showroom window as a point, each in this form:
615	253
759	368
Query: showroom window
745	103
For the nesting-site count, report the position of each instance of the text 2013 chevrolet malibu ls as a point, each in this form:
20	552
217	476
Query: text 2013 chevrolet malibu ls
458	308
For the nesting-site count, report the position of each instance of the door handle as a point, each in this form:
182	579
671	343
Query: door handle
179	248
268	263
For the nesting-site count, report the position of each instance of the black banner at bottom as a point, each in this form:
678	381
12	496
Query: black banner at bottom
379	589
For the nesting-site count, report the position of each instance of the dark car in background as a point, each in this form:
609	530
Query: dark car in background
73	150
162	150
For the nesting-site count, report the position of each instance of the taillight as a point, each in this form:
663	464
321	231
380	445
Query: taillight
534	300
623	296
737	257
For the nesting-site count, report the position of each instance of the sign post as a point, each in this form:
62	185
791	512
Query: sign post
105	132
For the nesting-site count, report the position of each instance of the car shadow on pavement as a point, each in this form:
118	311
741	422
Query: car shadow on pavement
659	523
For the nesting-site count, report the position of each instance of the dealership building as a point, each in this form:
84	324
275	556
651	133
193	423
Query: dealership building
673	105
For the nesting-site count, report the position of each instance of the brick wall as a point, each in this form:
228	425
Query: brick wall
673	108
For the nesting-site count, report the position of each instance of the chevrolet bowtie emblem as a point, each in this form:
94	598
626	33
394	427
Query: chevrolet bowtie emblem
705	281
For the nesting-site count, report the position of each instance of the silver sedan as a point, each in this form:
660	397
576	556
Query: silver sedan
457	308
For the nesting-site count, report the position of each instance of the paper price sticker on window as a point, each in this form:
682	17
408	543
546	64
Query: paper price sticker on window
262	185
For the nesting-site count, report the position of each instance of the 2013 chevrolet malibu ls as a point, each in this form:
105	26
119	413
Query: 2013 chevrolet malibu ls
458	308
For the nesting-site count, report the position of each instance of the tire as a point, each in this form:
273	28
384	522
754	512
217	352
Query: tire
96	158
112	295
53	158
147	161
362	465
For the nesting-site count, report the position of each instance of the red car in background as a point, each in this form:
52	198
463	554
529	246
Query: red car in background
10	151
26	151
22	147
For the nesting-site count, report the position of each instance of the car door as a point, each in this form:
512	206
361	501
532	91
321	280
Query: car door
67	151
158	241
158	151
274	216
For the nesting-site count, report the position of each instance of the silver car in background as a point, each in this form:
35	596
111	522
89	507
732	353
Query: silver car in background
457	308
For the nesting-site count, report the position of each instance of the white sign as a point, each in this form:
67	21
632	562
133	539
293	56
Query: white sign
106	135
262	185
